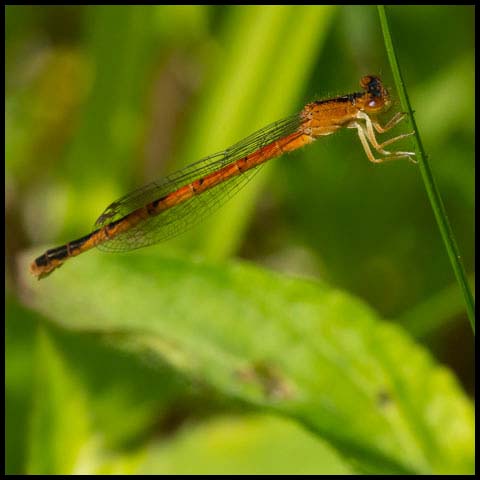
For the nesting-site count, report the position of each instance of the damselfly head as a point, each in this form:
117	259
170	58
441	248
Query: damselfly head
377	97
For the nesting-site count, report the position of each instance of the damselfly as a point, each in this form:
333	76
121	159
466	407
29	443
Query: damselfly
165	208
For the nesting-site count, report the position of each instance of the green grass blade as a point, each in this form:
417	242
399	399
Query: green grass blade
427	175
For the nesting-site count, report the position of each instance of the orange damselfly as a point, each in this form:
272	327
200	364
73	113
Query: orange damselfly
170	206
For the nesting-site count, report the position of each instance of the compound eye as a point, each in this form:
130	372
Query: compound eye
372	103
365	81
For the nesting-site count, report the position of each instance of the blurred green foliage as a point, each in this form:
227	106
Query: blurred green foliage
100	100
293	347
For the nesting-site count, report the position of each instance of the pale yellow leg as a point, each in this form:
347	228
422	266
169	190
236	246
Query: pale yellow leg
371	134
379	146
397	118
363	134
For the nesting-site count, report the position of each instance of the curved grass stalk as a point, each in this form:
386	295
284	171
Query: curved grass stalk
427	175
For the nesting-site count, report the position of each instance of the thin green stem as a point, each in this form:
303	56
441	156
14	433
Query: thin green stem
430	185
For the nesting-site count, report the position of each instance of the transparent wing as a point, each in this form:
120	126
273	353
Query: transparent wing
179	218
185	215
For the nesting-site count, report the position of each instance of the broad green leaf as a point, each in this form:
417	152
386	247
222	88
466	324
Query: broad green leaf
19	366
294	347
248	444
64	435
60	429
